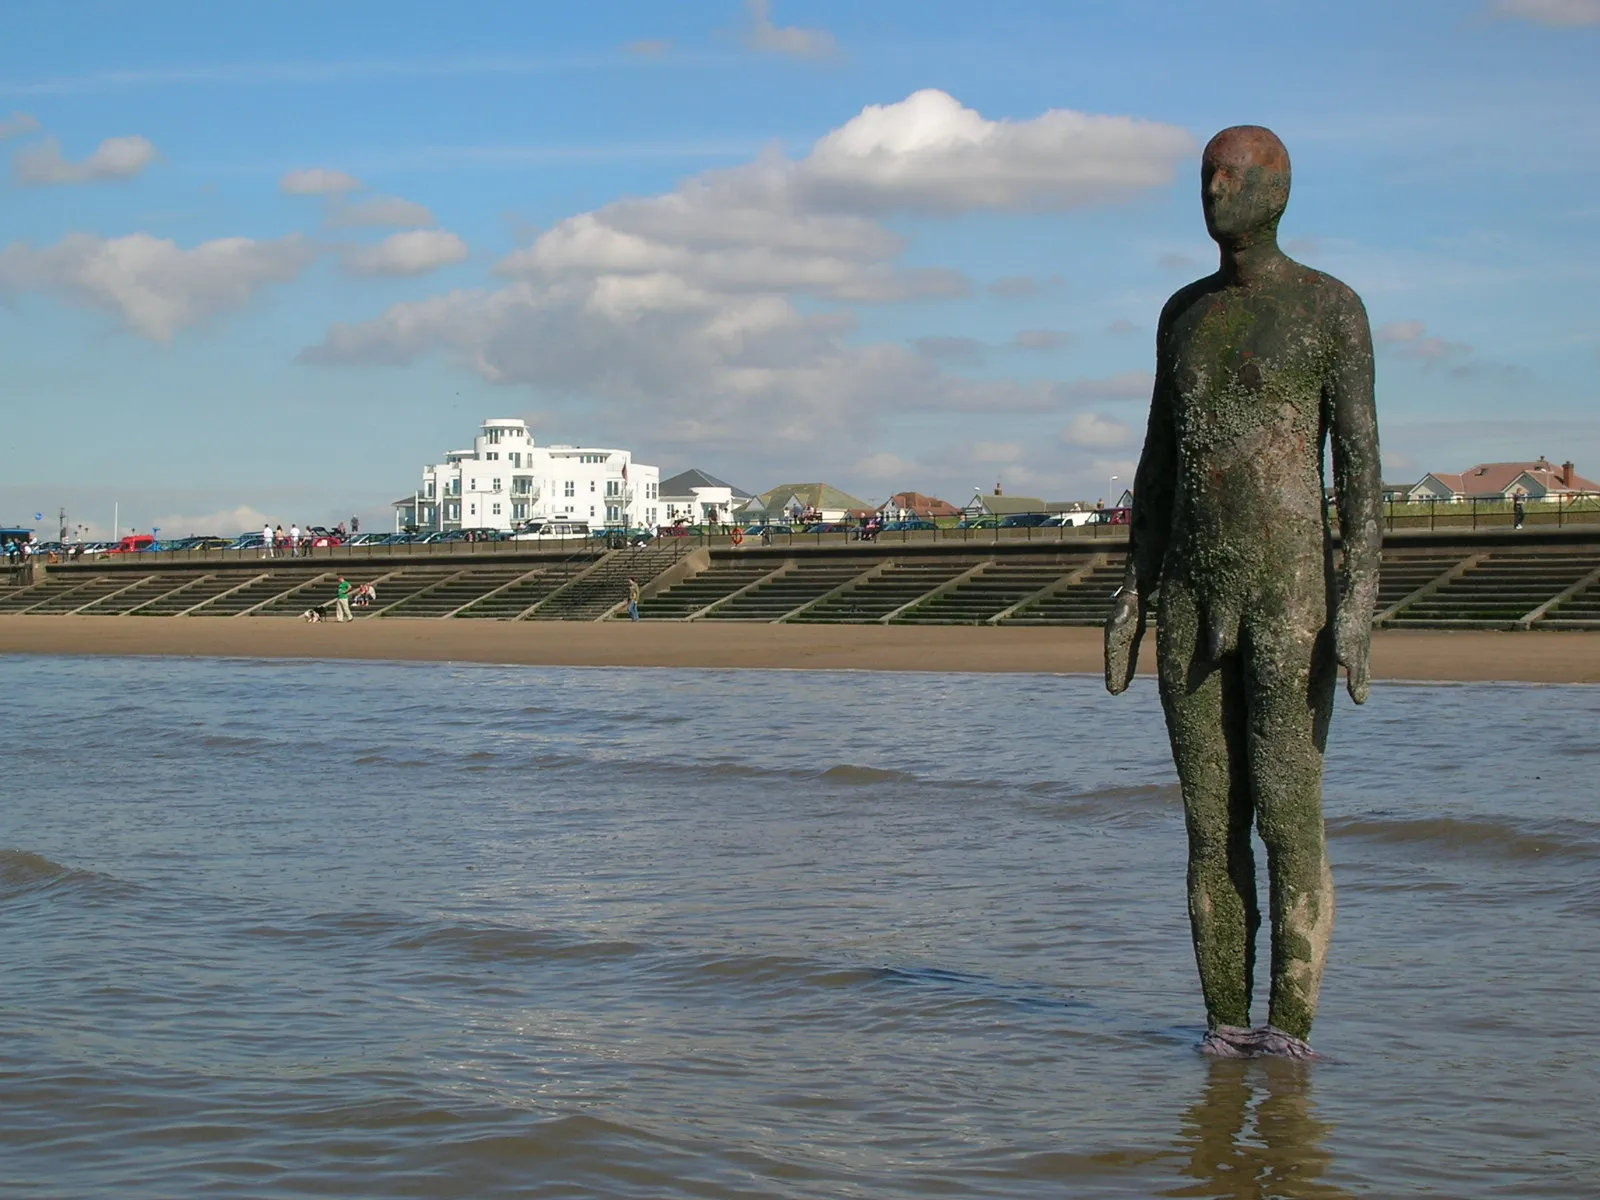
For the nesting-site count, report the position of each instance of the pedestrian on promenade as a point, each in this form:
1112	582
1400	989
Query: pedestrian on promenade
355	526
633	599
266	540
341	608
1519	508
294	539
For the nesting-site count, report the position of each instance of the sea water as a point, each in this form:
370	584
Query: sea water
282	929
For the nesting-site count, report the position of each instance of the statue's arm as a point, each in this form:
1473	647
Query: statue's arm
1150	527
1358	482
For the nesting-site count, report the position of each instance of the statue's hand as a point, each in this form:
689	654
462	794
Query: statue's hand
1124	628
1352	640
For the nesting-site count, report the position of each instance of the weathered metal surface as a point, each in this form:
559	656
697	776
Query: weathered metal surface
1257	365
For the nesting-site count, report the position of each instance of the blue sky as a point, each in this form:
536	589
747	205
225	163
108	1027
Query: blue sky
270	264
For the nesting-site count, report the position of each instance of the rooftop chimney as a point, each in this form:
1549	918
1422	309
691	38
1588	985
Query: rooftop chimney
997	487
1568	473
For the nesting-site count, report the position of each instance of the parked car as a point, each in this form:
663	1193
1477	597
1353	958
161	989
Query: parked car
829	527
201	542
978	523
372	539
135	543
1111	516
1067	520
543	530
1024	520
911	525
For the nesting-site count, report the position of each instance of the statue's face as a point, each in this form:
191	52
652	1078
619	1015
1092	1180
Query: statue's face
1244	182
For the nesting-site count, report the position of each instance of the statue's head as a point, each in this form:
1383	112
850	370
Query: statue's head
1244	183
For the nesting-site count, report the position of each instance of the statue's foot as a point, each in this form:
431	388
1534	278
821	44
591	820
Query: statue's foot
1229	1041
1278	1044
1233	1041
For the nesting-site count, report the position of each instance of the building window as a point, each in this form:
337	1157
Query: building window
496	486
613	487
516	458
430	489
495	509
472	510
570	489
472	485
591	487
613	514
519	510
491	457
591	511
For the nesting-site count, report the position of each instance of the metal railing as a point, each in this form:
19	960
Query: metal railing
1492	512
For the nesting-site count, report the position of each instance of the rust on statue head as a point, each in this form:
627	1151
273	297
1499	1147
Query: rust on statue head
1244	183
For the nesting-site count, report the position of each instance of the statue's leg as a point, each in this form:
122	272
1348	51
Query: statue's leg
1290	673
1206	712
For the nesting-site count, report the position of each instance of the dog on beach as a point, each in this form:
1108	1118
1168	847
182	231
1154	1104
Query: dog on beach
317	613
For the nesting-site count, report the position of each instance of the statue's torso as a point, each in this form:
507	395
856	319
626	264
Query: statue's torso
1248	368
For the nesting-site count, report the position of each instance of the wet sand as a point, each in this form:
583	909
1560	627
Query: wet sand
1397	654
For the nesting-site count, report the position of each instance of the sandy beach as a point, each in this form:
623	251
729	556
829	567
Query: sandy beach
1397	654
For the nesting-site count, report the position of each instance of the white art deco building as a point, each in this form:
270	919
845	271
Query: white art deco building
506	479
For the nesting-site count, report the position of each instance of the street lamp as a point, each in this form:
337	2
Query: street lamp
1110	501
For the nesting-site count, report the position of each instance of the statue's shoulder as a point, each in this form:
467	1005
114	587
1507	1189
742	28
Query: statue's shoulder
1334	294
1185	297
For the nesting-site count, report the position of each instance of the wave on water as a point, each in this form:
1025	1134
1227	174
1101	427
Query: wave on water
457	940
1468	835
23	873
864	776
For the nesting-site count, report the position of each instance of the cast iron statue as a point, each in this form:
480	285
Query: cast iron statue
1257	366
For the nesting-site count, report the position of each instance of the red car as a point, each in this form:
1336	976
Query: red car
135	542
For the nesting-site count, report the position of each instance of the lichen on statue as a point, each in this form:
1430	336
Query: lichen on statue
1256	365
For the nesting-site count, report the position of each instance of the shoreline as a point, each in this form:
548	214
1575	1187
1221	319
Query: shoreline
1468	656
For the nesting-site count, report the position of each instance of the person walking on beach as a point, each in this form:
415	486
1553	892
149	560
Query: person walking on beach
341	607
633	599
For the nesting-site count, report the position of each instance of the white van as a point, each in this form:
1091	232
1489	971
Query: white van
544	530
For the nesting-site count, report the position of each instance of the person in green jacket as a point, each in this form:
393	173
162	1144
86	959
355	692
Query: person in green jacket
341	610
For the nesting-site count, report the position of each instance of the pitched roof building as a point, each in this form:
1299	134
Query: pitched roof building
914	504
823	499
1503	480
684	483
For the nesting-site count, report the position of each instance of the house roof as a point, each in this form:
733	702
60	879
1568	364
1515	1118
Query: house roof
1005	506
922	505
821	496
1495	479
684	483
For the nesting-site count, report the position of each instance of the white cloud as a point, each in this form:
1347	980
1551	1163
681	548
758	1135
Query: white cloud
765	35
412	253
1092	431
885	468
1412	340
114	158
950	349
1550	12
17	125
318	181
722	307
993	453
155	286
1042	339
928	153
380	210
